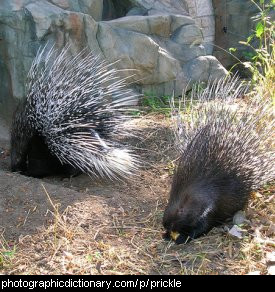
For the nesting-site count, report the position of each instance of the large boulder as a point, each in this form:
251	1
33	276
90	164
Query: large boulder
161	50
233	23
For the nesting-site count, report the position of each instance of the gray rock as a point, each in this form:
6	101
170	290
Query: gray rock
235	231
235	15
162	51
159	25
44	14
188	34
184	53
239	218
153	66
197	69
162	6
137	11
180	20
93	8
4	133
204	68
216	69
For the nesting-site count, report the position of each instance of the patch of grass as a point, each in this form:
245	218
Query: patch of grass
156	104
7	254
135	113
171	166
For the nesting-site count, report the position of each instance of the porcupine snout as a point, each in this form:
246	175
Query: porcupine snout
189	212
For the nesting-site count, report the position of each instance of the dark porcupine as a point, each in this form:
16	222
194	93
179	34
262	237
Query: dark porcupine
71	120
226	151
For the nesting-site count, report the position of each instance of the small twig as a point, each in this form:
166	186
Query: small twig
26	217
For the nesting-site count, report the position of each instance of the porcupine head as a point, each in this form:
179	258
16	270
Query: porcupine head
195	207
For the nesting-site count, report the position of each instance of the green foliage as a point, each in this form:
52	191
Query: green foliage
153	103
135	113
232	50
6	255
259	31
260	56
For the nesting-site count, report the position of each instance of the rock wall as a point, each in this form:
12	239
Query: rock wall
203	13
161	42
233	23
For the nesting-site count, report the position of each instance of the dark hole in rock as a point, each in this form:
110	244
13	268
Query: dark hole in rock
113	9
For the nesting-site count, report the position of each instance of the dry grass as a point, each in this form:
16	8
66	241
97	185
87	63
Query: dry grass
127	238
130	246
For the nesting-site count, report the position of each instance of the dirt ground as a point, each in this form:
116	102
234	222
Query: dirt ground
85	226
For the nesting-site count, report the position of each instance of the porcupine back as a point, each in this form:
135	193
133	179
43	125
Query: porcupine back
75	108
221	134
226	150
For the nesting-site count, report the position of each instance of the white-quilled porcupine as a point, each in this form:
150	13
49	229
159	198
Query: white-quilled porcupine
226	151
74	111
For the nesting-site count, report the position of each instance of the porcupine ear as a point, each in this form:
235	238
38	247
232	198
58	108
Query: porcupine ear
81	109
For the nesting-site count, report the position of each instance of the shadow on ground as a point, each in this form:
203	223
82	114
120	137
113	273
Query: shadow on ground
25	202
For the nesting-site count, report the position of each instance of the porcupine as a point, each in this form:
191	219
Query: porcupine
226	151
74	111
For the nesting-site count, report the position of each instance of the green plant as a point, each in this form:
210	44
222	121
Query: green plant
156	104
260	57
7	253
